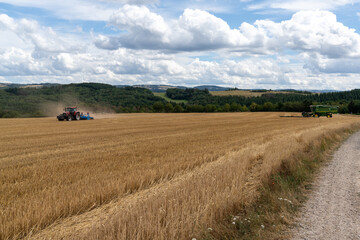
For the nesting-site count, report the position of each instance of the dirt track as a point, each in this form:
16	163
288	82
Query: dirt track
333	208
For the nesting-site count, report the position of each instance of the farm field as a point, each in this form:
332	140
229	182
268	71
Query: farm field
245	93
142	176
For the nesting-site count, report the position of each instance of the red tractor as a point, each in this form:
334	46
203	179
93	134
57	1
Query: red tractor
69	114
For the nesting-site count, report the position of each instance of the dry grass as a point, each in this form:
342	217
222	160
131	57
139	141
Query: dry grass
142	176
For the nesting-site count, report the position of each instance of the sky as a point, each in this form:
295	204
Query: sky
269	44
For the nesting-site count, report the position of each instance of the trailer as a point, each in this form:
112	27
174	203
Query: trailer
85	116
321	110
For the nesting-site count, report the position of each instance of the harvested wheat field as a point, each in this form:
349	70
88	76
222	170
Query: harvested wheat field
143	176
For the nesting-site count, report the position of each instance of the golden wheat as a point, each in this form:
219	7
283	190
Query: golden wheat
141	176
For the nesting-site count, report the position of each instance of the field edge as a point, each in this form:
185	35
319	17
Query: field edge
282	195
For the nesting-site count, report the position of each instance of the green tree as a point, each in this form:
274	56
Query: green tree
158	106
244	108
210	108
268	106
234	107
178	108
253	107
226	107
169	108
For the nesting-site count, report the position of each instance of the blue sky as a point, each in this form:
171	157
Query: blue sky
243	43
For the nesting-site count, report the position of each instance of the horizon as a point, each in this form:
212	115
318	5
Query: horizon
185	86
247	44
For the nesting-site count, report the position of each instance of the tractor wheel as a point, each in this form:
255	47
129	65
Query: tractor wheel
69	118
316	115
77	116
328	116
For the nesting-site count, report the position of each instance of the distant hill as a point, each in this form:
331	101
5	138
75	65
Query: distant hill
212	88
49	100
163	88
154	88
257	92
31	85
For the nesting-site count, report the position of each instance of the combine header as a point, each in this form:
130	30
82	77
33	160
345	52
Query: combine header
71	113
321	110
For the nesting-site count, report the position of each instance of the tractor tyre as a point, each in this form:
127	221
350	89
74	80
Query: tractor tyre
69	118
316	115
77	117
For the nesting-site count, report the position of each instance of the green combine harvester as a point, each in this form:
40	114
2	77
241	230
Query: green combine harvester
321	110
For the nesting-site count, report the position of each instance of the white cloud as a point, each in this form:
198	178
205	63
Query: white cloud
194	30
297	5
197	30
71	9
89	10
43	38
313	31
17	62
319	64
41	54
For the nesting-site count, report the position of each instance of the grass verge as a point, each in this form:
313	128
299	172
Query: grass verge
163	95
274	213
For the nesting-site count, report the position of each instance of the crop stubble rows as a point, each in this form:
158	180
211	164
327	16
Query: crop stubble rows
145	175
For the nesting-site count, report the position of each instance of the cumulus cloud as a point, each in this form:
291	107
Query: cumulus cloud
319	64
17	62
313	31
43	38
197	30
154	50
194	30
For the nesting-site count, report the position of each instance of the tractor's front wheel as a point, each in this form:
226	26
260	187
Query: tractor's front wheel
69	118
77	116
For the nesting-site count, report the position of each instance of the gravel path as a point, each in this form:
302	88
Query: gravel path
333	208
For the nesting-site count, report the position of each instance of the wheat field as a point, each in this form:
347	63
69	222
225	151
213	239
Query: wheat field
142	176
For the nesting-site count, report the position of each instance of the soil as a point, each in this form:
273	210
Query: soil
333	208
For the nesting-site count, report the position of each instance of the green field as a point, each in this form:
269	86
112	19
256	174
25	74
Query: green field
163	95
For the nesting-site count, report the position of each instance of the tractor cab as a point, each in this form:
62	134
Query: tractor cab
71	109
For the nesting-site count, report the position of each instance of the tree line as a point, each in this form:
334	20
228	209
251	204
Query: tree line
30	102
